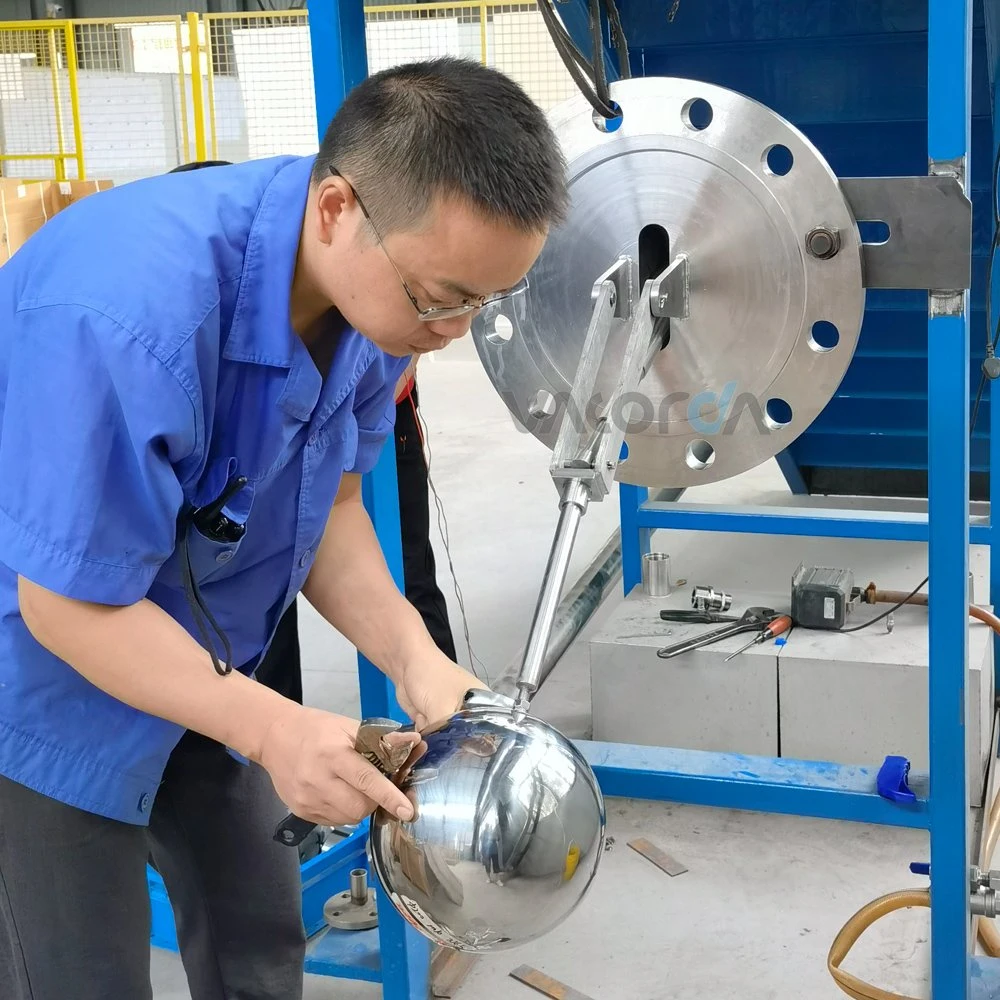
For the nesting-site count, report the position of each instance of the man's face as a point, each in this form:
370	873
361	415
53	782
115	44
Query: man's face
454	256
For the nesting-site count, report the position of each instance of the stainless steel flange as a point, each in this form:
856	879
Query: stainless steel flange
775	291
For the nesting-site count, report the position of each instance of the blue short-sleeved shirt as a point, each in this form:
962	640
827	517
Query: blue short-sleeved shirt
146	359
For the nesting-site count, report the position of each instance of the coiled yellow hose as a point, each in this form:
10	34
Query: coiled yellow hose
988	934
855	927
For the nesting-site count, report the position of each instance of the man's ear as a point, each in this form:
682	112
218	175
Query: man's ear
332	198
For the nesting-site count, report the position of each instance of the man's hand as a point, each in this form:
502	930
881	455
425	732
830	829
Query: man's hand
432	689
318	774
351	587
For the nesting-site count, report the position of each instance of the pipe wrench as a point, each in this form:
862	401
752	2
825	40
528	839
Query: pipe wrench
371	743
751	620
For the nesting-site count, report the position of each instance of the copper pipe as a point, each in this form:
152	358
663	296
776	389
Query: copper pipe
873	596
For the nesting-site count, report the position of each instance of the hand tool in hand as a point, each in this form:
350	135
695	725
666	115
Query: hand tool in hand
752	619
371	743
772	630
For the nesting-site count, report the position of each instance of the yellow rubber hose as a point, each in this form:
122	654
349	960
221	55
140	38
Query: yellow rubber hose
989	936
855	927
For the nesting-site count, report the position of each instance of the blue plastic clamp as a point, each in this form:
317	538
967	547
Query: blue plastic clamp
891	780
920	867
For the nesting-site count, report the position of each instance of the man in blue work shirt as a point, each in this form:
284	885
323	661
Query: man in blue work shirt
195	371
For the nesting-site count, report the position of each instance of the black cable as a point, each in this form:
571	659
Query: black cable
885	614
619	39
576	63
564	41
199	609
597	40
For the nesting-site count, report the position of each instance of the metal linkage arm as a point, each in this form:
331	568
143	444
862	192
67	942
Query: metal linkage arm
585	458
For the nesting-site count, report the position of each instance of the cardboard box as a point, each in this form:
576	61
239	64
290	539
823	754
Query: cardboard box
71	191
26	206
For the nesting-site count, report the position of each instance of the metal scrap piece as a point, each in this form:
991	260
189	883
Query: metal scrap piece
659	857
546	985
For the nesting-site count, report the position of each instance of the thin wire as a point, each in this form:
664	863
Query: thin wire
442	523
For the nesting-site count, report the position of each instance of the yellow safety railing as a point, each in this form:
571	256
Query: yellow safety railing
125	97
38	65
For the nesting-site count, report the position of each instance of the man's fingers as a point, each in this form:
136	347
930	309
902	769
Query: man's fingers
368	780
346	800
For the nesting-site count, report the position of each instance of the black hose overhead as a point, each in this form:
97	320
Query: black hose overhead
590	77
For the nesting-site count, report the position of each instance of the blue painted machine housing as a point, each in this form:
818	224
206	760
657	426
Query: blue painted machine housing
853	78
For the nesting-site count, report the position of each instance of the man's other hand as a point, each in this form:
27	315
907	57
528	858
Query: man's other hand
433	689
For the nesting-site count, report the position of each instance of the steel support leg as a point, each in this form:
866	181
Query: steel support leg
340	61
948	140
405	954
635	539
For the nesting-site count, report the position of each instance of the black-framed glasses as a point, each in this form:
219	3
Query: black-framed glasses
439	312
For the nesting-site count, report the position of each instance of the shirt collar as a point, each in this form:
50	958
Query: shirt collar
261	331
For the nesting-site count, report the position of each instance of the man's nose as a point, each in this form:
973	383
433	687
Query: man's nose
455	327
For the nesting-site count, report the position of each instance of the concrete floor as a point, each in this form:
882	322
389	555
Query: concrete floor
764	896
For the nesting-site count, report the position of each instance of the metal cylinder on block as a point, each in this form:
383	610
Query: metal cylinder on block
656	574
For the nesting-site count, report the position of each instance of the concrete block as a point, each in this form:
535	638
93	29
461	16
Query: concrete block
856	697
848	698
694	701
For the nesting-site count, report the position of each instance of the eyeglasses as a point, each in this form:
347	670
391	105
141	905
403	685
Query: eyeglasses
441	312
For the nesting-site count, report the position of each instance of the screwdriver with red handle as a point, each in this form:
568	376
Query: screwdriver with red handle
780	625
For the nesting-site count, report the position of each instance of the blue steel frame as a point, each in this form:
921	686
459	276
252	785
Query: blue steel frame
726	780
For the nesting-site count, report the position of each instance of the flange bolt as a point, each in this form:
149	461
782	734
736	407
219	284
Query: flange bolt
823	242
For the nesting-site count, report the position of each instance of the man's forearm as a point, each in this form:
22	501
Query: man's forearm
142	657
352	588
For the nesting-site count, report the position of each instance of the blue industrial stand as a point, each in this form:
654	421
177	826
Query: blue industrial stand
394	955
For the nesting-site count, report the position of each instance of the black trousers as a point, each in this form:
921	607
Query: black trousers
74	903
281	669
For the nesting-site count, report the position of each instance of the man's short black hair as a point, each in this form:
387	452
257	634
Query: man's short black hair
446	127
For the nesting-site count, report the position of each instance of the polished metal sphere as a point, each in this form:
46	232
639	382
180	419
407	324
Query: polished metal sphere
506	838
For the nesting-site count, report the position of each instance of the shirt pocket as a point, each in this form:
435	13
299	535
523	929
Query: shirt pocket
209	545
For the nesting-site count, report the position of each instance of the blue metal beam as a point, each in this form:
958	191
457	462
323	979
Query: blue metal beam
949	85
812	521
758	784
380	492
340	62
339	53
792	473
635	538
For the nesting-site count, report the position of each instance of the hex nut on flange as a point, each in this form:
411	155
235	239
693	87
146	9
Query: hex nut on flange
823	242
